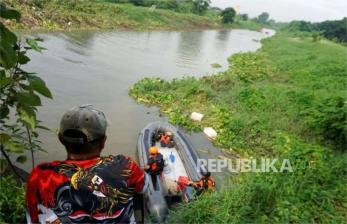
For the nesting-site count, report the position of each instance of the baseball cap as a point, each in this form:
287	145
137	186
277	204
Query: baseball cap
85	119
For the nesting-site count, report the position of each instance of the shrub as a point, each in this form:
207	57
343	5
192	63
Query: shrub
328	119
11	201
228	15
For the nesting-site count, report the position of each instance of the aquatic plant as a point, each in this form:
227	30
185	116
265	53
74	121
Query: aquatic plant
287	100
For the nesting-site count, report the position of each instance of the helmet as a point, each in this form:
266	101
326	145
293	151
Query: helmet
169	133
153	150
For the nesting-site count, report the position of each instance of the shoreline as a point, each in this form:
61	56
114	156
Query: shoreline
106	16
267	103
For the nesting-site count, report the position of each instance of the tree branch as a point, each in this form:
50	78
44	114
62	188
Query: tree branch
31	147
10	163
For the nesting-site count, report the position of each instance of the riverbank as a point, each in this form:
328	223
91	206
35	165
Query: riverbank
93	15
285	101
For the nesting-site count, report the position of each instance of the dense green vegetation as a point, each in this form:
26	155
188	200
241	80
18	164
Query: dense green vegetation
287	100
12	208
184	6
91	14
228	15
334	30
100	14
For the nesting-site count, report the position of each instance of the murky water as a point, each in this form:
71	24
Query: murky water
99	67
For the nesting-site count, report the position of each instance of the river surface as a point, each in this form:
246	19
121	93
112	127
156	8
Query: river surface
98	68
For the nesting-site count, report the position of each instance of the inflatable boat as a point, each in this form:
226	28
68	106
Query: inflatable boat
180	166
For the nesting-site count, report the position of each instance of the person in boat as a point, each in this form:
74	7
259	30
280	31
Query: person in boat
86	187
156	162
205	184
166	140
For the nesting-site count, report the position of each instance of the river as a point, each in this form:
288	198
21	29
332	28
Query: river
98	68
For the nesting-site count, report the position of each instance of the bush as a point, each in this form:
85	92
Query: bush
12	208
328	119
228	15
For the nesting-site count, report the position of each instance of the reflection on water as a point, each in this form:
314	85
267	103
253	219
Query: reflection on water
99	67
79	43
189	47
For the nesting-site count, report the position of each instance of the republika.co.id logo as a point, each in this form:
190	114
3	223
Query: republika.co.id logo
263	165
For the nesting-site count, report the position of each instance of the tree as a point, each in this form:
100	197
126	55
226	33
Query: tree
20	96
263	18
244	16
301	26
137	2
228	15
200	6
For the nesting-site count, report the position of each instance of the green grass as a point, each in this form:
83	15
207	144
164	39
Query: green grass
248	24
287	100
89	14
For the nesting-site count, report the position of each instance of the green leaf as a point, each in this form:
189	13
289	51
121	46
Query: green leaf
34	45
4	111
22	58
21	159
4	138
9	13
8	43
7	36
43	128
3	165
29	99
42	150
3	79
39	86
27	116
14	147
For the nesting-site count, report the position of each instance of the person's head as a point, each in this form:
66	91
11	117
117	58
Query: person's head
83	131
153	150
169	133
206	174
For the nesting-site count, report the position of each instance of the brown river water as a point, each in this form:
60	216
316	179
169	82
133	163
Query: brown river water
98	68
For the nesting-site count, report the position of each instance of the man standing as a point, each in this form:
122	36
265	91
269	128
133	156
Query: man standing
85	187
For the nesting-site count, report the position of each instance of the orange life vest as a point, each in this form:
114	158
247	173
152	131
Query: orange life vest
206	183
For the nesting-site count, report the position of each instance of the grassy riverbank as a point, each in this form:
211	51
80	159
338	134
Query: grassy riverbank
287	100
70	15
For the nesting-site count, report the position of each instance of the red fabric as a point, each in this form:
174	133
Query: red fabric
138	177
44	180
182	182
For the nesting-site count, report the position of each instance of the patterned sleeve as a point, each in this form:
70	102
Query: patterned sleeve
31	197
138	177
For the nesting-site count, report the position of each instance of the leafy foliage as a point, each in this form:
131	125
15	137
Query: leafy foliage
328	118
91	14
200	6
20	92
263	18
333	30
11	201
228	15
